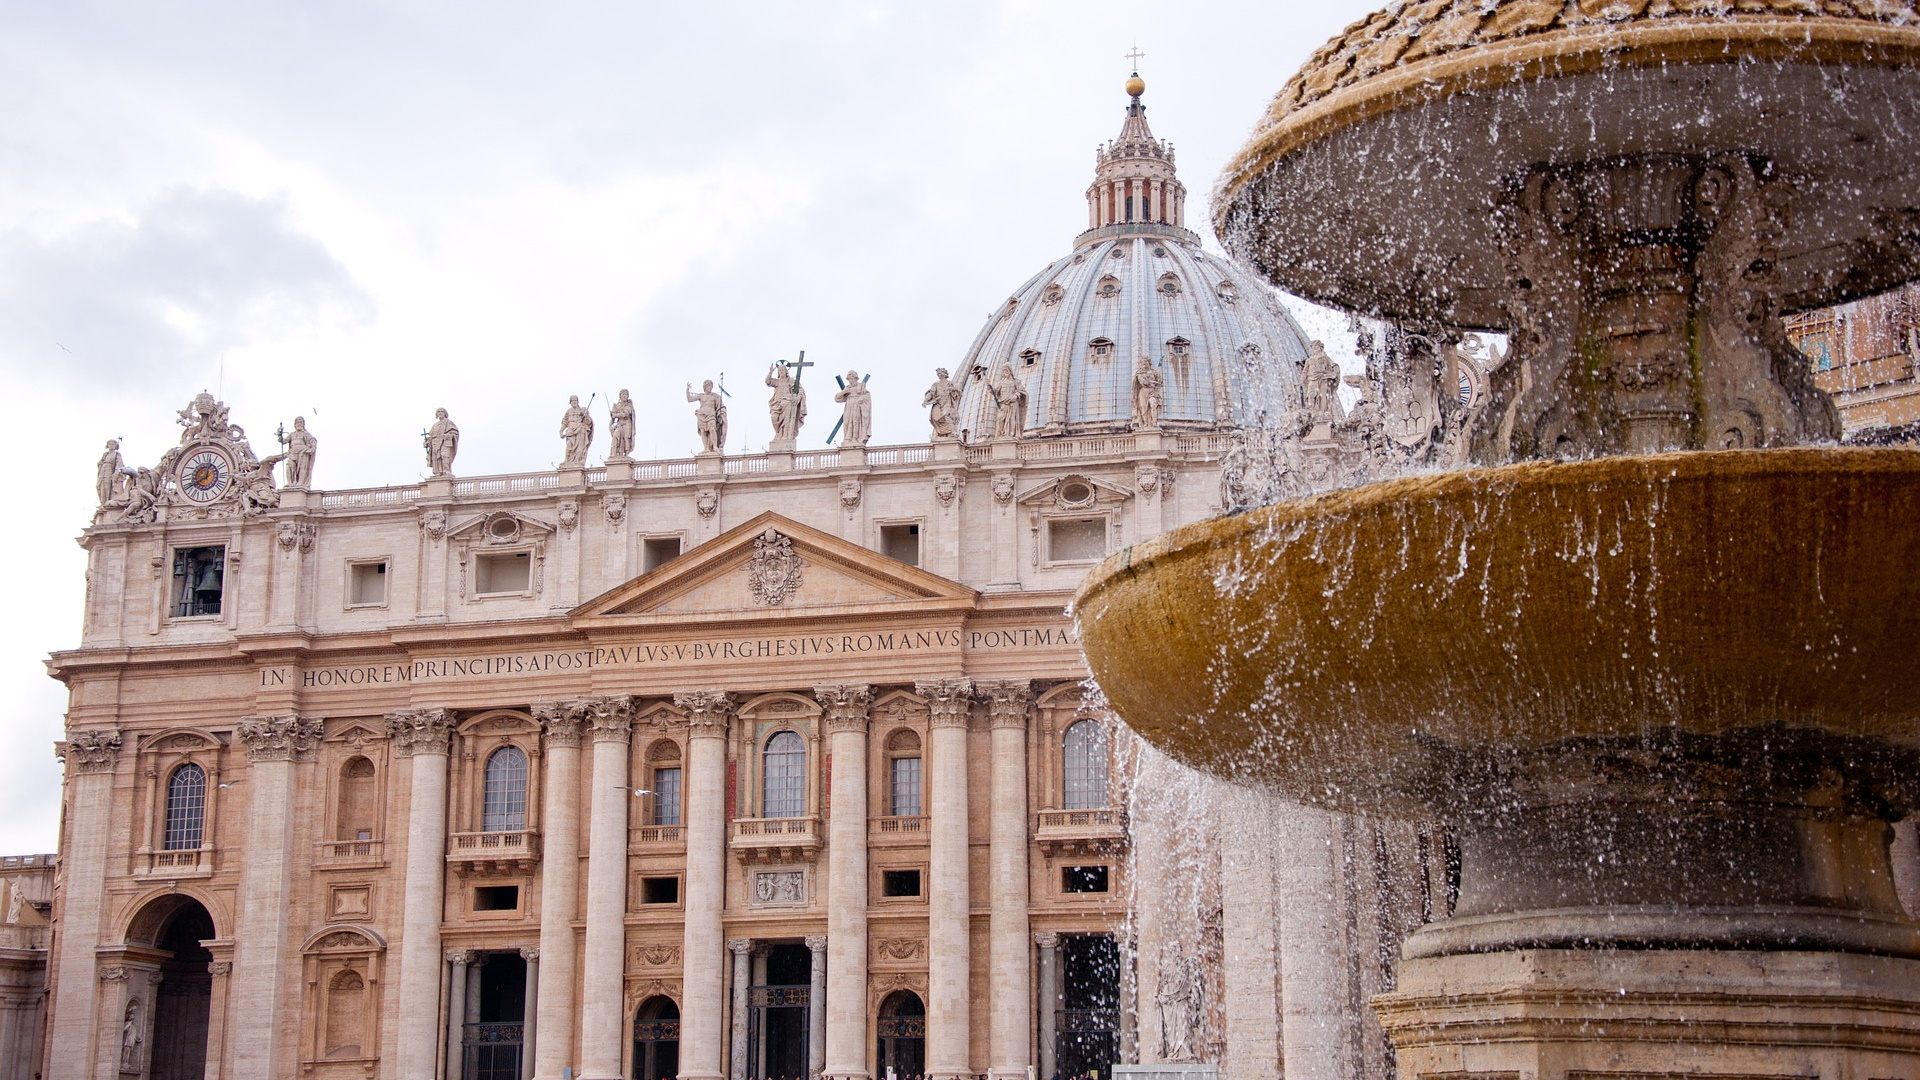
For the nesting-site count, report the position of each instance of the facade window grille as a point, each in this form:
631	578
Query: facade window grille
666	796
1085	766
784	777
905	787
504	797
199	577
186	808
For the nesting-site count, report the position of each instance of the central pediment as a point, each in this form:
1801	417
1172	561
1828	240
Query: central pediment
768	567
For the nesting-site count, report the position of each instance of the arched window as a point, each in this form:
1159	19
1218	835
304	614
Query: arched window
346	1014
783	779
186	808
664	760
504	805
656	1040
359	800
1085	765
903	774
902	1034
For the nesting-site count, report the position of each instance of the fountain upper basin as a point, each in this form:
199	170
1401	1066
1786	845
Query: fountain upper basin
1343	649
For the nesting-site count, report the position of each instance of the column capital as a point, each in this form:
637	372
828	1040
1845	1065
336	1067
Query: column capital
113	973
220	967
1047	939
708	712
564	723
739	946
947	699
848	706
817	942
90	751
459	957
530	955
278	738
611	718
420	731
1007	701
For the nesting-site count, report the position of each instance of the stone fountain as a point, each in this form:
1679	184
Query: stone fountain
1654	659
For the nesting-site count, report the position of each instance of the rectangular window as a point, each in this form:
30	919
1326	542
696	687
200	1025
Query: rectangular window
906	787
659	890
1083	879
511	572
1076	539
366	584
900	883
666	796
199	574
658	551
496	898
901	543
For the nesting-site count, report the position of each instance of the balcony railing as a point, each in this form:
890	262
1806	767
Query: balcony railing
774	839
340	850
660	834
490	853
899	829
180	863
1080	832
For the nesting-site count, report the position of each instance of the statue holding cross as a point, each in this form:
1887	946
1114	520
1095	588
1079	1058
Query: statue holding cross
857	419
787	408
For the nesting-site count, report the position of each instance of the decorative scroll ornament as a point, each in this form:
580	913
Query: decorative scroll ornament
616	508
278	738
850	492
434	523
947	700
292	533
422	731
947	485
1003	488
92	751
773	574
847	706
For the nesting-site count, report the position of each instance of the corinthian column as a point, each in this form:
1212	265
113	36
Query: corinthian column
702	952
260	962
1011	1032
422	736
603	985
949	960
847	709
559	888
90	757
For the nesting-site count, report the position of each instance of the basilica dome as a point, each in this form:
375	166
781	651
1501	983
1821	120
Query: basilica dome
1136	287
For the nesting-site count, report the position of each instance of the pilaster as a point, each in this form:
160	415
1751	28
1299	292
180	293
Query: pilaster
563	727
610	722
842	1009
1009	947
90	756
421	737
261	976
702	952
949	930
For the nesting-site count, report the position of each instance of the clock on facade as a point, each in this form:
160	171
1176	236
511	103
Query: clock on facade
205	475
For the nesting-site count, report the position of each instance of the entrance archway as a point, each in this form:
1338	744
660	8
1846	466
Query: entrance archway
656	1040
903	1036
182	1002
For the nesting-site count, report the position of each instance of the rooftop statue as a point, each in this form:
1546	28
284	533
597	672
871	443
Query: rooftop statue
109	475
576	428
1010	403
942	401
857	421
787	408
442	441
300	446
709	416
620	428
1149	389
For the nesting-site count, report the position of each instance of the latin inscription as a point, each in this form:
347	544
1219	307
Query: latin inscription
494	665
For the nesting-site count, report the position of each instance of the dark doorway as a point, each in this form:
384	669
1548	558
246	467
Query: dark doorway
903	1036
656	1040
496	1018
1087	1031
777	1014
182	1002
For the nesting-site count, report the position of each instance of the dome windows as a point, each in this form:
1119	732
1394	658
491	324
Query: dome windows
1168	285
1226	292
1119	252
1100	349
1029	357
1108	288
1159	252
1053	295
1250	355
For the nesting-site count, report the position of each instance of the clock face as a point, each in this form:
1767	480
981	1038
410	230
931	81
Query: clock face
205	476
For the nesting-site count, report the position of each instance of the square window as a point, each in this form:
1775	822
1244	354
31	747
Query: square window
508	572
1076	539
367	584
199	576
659	890
657	551
900	883
901	543
496	898
1083	879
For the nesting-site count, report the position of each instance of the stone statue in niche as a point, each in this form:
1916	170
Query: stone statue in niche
132	1036
1149	389
576	429
787	408
442	441
942	401
857	421
1010	403
299	446
709	416
110	474
620	428
1179	1010
1321	377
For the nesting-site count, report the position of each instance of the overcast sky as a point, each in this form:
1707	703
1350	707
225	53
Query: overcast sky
359	212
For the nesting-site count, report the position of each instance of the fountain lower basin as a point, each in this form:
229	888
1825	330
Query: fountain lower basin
1663	700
